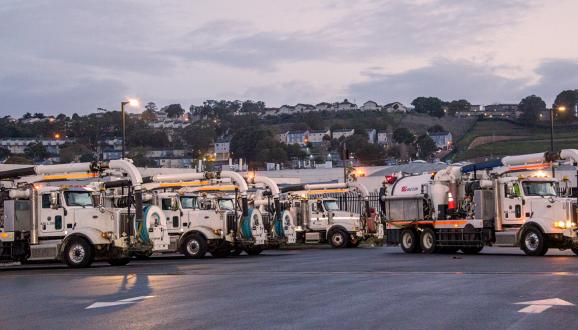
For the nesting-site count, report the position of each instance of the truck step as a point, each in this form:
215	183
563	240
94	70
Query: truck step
506	238
43	251
312	238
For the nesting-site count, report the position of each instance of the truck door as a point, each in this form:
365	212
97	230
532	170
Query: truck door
172	212
51	214
513	207
319	220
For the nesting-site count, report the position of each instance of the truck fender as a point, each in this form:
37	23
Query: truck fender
333	228
531	224
86	235
206	232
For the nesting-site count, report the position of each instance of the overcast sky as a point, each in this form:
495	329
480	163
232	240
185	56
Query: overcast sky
74	56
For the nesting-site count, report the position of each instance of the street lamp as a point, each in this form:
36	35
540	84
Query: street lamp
133	103
560	109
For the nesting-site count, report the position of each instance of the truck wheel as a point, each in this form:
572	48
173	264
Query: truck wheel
78	253
194	246
409	241
428	240
575	250
533	242
338	238
143	255
119	261
472	250
253	250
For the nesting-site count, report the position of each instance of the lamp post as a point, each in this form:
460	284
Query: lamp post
131	102
561	109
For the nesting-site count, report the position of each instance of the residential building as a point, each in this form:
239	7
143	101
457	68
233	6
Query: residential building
299	137
345	106
110	154
323	106
169	124
383	138
476	107
286	109
270	112
222	149
443	140
370	106
18	145
345	132
371	135
304	107
395	107
498	107
316	136
185	162
283	137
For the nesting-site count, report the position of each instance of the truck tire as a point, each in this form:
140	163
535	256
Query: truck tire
533	242
353	243
119	261
338	238
472	250
428	241
409	241
194	246
253	250
78	253
575	250
236	251
143	255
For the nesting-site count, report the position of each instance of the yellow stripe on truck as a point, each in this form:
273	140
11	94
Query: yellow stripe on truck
74	176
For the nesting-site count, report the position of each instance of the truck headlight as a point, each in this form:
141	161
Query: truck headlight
106	234
217	232
564	224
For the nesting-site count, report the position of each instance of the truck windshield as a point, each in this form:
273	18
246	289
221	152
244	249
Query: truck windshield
226	204
189	202
331	206
537	188
78	198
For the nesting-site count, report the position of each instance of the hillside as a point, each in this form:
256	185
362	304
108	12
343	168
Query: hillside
493	138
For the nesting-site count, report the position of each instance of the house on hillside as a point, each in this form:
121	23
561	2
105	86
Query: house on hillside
475	107
371	135
282	137
323	106
345	106
222	148
443	140
298	137
270	112
286	109
395	107
304	107
344	132
383	138
316	136
370	106
499	107
18	145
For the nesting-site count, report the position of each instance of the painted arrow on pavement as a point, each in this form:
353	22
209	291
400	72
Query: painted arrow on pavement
127	301
538	306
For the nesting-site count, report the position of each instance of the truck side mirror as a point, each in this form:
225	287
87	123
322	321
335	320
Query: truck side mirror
54	200
174	204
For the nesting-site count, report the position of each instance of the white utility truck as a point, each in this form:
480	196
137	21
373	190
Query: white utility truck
278	221
200	219
319	218
469	207
66	223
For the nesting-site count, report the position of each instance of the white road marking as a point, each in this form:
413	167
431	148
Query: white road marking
538	306
127	301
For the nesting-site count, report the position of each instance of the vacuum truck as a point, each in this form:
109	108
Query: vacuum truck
319	219
486	204
43	222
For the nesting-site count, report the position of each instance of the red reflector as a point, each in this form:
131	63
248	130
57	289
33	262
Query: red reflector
390	179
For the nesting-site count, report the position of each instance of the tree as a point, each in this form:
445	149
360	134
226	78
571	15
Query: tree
198	138
568	100
531	107
150	112
174	111
252	107
138	156
75	153
27	115
4	153
458	106
403	135
429	105
425	146
142	137
366	152
436	129
36	152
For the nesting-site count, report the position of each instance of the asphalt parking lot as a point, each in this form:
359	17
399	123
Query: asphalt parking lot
364	288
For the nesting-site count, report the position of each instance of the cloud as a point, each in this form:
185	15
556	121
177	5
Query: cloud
478	83
52	95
